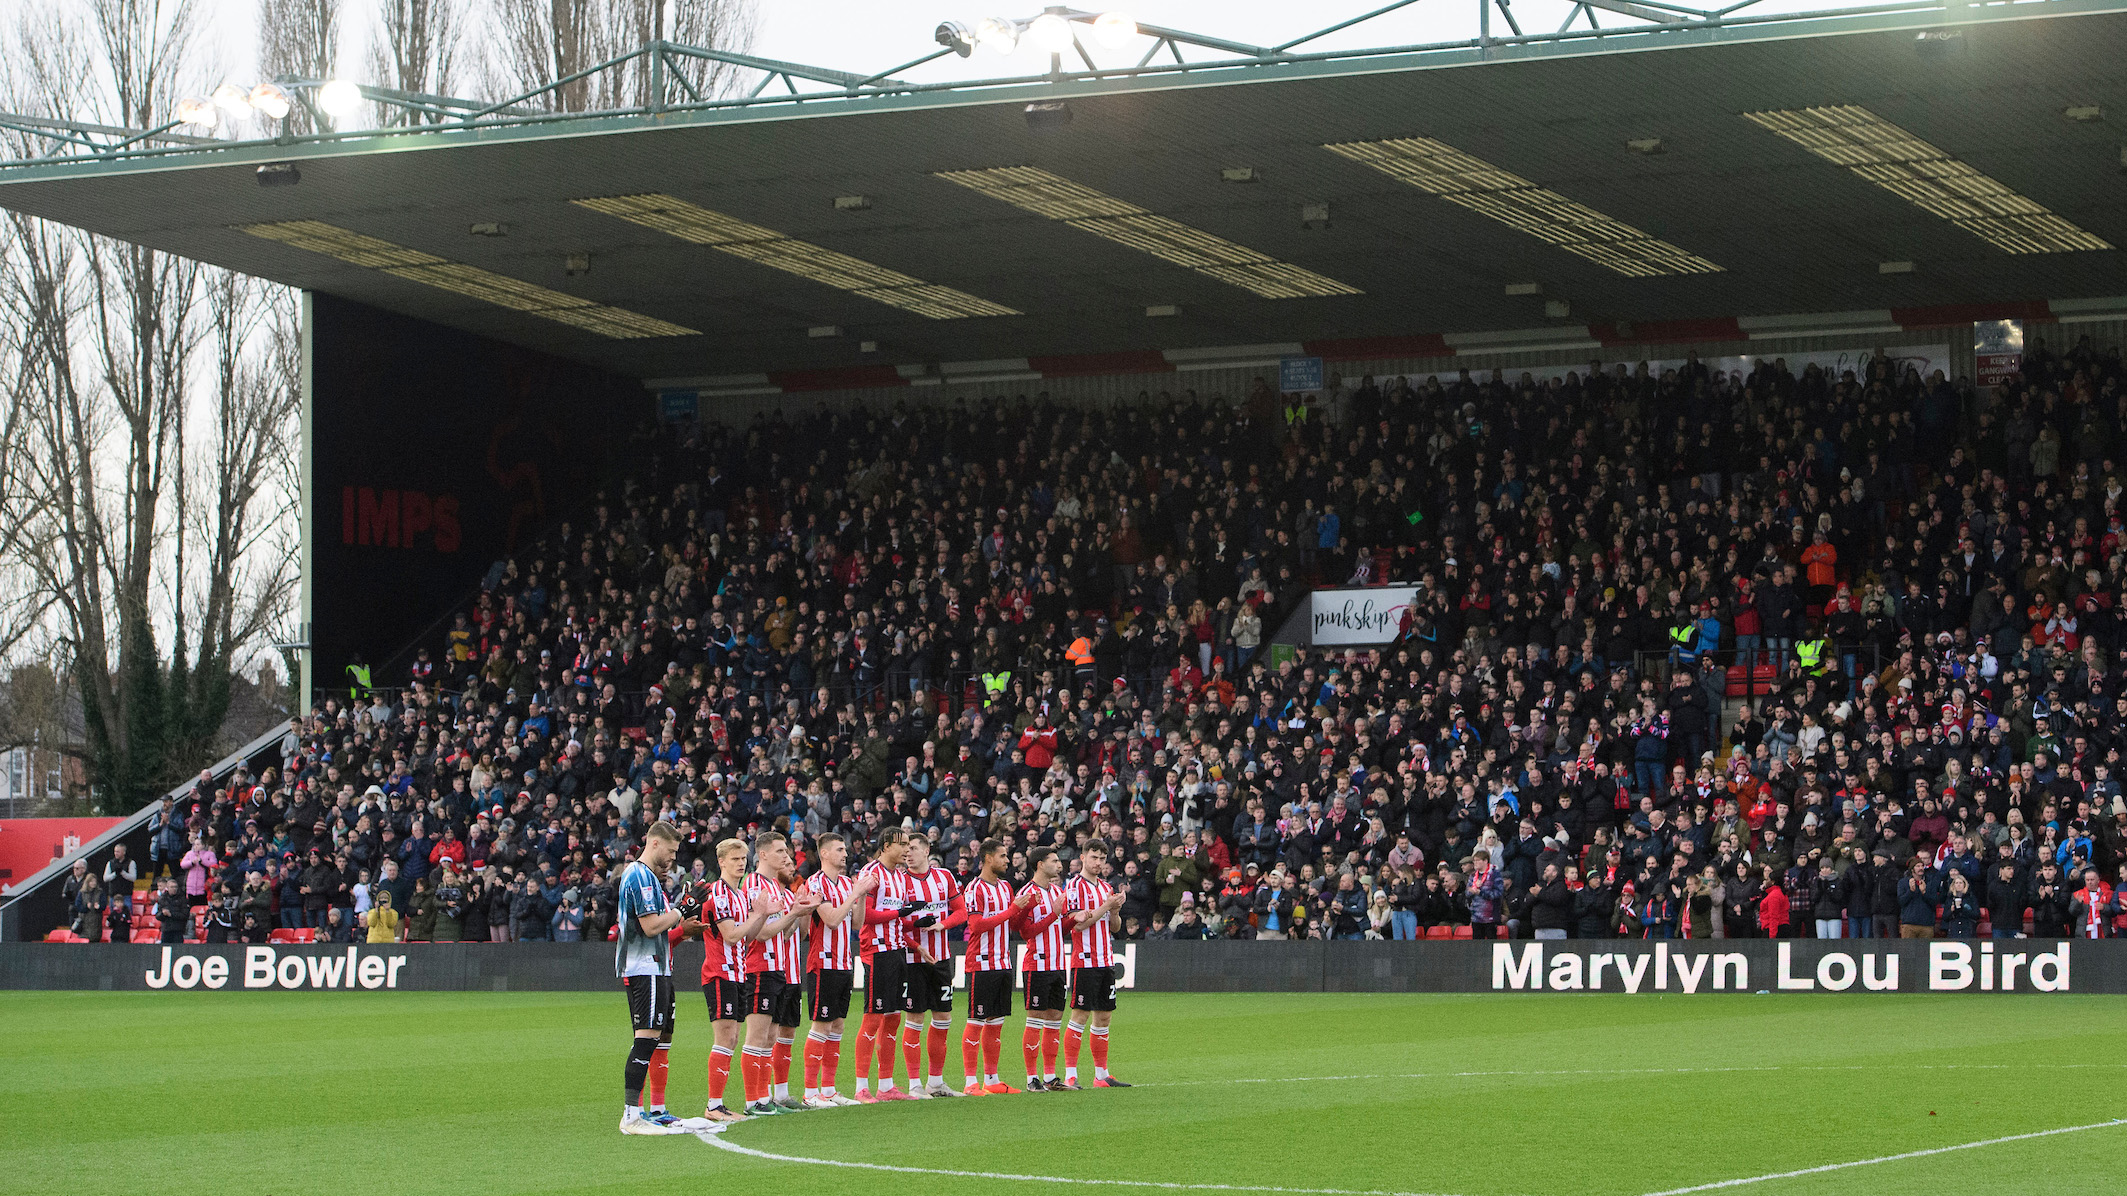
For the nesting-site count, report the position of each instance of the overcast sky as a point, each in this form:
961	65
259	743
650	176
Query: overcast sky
874	35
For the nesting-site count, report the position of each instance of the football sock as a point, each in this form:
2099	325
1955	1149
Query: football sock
1100	1052
992	1048
719	1074
971	1051
831	1060
815	1046
935	1042
779	1061
639	1052
912	1052
660	1063
1071	1038
1030	1044
1050	1039
867	1042
889	1032
757	1072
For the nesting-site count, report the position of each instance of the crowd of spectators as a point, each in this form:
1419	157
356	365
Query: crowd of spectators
1047	622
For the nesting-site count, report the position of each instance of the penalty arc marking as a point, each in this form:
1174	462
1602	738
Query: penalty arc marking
715	1137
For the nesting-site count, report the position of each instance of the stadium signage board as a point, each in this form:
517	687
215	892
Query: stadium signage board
2008	965
266	967
1358	618
1298	375
1686	967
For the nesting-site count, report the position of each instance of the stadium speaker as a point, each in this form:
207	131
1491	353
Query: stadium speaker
1048	114
279	174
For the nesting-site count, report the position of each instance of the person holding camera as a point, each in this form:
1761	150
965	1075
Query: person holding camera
450	902
382	920
221	921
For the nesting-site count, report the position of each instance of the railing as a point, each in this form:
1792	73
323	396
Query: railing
1847	662
442	114
33	907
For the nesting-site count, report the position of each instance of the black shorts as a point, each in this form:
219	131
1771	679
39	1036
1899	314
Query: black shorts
727	999
649	1001
989	995
764	993
1045	991
886	982
827	992
1093	989
930	986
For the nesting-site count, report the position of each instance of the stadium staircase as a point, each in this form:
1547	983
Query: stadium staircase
33	911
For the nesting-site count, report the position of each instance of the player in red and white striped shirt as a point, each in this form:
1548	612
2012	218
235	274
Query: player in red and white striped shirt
1094	916
932	893
884	946
833	959
727	924
1040	923
774	971
987	907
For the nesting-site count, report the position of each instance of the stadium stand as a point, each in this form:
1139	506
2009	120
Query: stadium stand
1694	655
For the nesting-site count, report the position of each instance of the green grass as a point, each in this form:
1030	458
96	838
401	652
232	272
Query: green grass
288	1094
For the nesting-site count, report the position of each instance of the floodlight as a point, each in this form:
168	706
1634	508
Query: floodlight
195	111
1114	29
339	98
271	100
956	36
1050	32
232	99
998	34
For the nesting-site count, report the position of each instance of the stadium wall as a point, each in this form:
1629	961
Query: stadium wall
1640	967
433	452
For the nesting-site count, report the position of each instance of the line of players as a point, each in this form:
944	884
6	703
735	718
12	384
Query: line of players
776	946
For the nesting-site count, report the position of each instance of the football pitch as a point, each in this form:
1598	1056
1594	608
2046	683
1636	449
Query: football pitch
287	1094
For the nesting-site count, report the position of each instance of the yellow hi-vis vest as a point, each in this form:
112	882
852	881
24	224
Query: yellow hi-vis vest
1812	653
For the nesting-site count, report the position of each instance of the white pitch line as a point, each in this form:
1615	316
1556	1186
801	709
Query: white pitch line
1890	1158
716	1139
1637	1071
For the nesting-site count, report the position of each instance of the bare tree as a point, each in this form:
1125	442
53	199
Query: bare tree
415	48
538	42
299	38
158	564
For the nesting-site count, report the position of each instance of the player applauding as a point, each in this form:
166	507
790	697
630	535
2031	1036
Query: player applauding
1094	916
885	951
727	924
932	892
827	985
987	907
1041	924
773	974
643	960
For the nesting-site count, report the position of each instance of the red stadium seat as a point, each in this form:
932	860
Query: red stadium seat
63	935
1462	932
1739	686
1440	932
293	934
146	936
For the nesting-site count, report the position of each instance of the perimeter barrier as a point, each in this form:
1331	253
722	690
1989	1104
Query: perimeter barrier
1680	968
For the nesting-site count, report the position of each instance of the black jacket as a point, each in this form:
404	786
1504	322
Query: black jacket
1591	911
1552	906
